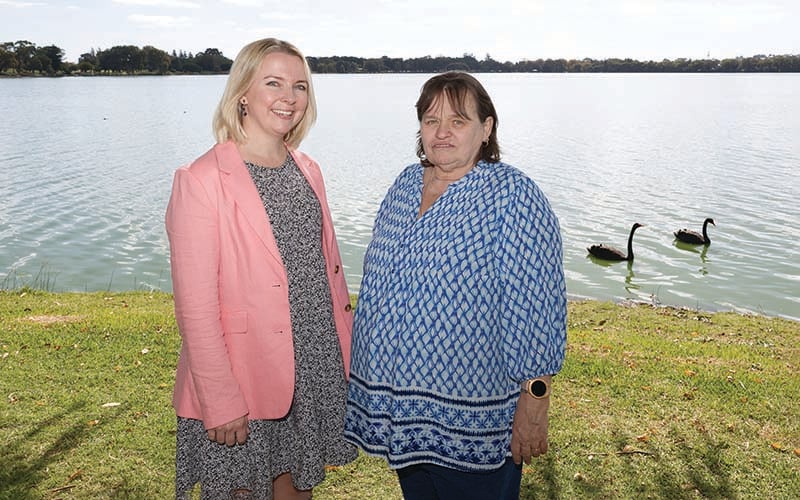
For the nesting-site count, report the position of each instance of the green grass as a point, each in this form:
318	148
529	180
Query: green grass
651	403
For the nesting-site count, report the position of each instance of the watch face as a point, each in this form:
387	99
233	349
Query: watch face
538	388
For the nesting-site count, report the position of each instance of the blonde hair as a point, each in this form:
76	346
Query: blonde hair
227	122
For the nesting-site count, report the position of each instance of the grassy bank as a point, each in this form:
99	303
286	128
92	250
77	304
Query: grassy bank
652	402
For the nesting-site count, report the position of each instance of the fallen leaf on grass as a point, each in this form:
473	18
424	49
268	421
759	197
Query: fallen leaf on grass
75	475
777	447
797	452
92	423
579	477
690	373
644	438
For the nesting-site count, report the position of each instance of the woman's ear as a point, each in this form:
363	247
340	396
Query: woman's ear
487	128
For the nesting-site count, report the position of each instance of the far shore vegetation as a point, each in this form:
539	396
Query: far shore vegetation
652	402
24	58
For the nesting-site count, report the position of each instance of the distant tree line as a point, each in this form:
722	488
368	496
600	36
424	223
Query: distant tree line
25	58
754	64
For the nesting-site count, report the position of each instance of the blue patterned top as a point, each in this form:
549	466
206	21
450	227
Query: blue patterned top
456	308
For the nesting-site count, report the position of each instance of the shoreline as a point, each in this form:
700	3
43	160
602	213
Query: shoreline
571	299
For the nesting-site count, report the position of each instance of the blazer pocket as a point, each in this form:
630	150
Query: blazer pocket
234	322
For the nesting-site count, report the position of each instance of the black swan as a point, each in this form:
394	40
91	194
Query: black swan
606	252
693	237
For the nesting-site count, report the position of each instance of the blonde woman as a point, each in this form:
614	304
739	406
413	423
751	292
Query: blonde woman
260	296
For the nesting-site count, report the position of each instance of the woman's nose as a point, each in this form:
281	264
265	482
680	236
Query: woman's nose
289	95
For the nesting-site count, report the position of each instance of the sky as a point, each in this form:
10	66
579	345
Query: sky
505	30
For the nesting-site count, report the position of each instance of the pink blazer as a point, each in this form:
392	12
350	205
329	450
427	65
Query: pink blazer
231	292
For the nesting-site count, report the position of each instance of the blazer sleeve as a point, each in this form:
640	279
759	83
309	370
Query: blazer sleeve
192	224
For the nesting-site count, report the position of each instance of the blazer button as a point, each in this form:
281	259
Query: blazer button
336	269
348	308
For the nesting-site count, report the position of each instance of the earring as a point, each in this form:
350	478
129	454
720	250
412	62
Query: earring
242	109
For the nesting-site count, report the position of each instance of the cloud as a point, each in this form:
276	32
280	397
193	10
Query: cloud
276	16
158	21
245	3
21	5
183	4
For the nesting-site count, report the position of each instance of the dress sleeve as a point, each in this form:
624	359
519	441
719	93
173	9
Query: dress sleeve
533	297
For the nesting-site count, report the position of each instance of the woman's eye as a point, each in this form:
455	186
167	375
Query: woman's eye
272	83
301	86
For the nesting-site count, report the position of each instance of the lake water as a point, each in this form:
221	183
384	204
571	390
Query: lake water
86	167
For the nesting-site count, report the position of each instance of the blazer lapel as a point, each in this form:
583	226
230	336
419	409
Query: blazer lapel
237	183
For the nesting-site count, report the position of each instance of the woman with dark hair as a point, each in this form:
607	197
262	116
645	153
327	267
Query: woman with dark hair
461	317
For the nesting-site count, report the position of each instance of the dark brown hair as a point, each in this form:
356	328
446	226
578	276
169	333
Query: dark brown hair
456	86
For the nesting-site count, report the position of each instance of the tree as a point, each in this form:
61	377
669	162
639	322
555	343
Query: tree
176	64
155	60
55	55
554	65
87	62
374	66
212	61
8	60
25	52
121	58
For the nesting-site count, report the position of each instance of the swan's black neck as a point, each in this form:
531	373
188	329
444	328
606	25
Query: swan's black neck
630	245
705	231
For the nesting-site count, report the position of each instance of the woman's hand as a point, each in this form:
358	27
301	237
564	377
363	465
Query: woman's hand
529	430
234	432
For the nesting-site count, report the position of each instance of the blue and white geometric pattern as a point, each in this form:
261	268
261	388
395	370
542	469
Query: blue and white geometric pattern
455	309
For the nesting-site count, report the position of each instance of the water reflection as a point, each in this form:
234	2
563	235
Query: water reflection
604	262
702	250
630	286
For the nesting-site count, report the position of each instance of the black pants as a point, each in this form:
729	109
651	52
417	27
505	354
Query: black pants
434	482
